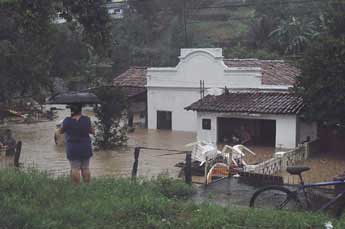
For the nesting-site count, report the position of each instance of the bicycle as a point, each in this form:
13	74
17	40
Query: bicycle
284	198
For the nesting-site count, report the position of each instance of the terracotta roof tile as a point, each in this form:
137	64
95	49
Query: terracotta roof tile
133	77
274	72
133	91
250	102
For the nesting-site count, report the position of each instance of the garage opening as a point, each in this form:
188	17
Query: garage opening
164	120
246	131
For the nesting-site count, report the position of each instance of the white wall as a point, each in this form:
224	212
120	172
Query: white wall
285	127
286	131
207	135
207	65
174	88
174	100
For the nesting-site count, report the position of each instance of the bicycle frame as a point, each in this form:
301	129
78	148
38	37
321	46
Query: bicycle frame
321	184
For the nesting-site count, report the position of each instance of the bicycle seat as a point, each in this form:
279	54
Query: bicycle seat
296	170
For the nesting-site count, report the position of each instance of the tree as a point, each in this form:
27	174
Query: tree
259	32
322	81
112	118
293	34
31	44
94	19
285	26
152	33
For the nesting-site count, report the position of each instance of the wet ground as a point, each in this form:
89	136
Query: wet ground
323	167
226	192
39	151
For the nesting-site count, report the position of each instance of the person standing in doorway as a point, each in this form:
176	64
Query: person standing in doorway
246	136
78	143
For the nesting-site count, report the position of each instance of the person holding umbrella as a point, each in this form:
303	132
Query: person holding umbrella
78	143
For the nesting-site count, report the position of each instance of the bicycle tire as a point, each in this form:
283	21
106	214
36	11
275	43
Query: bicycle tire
275	197
340	213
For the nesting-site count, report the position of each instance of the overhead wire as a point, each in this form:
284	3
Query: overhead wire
266	2
239	5
248	4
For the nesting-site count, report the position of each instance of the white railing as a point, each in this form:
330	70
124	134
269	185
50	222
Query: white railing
281	160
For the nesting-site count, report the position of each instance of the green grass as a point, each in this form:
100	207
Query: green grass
32	199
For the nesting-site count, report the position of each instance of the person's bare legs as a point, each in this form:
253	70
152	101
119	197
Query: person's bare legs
86	174
75	176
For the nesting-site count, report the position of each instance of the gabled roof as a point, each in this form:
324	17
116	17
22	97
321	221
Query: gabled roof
274	72
250	102
134	77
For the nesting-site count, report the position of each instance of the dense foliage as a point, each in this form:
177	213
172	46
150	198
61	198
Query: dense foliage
34	200
286	27
152	33
111	117
34	48
322	82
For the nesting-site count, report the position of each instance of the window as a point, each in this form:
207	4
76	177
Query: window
206	124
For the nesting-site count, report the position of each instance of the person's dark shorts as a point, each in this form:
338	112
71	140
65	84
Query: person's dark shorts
80	164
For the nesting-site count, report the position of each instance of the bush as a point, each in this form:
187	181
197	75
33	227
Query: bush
112	118
172	188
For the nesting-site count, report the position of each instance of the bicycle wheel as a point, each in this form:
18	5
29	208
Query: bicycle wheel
275	197
340	209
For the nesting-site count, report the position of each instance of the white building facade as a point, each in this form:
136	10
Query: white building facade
290	130
171	89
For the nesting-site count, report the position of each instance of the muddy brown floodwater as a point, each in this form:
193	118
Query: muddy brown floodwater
39	151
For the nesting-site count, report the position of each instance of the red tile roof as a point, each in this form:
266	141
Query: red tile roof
274	72
133	91
133	77
250	102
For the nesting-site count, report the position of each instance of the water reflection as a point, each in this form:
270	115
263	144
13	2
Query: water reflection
40	151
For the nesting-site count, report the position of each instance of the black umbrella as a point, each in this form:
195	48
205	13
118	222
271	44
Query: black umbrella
73	98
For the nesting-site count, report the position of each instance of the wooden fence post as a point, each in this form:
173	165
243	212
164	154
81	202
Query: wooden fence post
307	150
17	153
135	164
188	168
206	170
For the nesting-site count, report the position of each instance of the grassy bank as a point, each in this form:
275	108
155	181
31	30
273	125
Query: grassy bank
34	200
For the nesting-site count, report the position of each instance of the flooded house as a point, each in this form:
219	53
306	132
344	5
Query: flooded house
257	97
190	97
133	81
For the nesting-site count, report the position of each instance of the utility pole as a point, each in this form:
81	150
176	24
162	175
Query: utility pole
185	23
